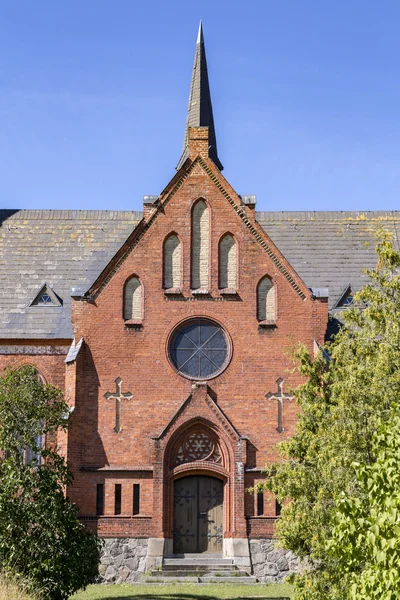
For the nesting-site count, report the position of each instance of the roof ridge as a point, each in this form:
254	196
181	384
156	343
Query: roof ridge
68	214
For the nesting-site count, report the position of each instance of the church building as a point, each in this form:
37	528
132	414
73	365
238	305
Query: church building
170	332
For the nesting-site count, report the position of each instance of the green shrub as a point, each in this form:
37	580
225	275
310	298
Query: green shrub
41	537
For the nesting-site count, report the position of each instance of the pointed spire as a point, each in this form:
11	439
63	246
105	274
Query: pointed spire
200	113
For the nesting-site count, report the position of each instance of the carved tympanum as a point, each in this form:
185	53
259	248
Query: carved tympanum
198	445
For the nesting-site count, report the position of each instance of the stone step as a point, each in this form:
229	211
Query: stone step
161	579
197	560
190	566
198	572
196	555
247	580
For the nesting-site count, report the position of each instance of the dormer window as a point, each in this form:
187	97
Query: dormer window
46	297
346	298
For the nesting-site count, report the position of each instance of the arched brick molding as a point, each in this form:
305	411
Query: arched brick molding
198	447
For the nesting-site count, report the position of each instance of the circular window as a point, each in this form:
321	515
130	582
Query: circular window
199	349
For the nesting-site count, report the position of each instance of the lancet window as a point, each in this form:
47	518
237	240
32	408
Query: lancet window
266	300
200	246
172	257
227	262
133	300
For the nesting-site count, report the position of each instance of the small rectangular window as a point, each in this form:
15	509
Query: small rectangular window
118	494
260	503
100	499
136	498
278	508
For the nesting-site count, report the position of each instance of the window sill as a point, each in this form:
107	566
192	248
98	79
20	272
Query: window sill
173	292
134	323
228	292
200	292
269	324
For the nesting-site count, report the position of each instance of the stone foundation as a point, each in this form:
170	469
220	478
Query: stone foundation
122	560
271	564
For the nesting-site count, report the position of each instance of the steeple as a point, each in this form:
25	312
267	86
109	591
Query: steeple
200	113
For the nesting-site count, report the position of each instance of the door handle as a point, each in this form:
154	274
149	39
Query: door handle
203	514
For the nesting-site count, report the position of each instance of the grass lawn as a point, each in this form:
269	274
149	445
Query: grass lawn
185	591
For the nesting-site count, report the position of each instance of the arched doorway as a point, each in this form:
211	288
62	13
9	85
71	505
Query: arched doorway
198	514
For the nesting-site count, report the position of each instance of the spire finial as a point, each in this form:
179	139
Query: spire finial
200	113
200	39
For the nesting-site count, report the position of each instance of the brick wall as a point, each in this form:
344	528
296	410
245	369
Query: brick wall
138	355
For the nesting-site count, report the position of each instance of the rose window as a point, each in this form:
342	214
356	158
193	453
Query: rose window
198	445
199	349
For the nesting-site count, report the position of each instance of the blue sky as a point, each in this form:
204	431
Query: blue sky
306	95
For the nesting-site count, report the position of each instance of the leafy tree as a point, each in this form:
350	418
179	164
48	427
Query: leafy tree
40	534
366	532
343	401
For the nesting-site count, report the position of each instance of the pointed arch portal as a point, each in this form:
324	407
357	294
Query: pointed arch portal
198	514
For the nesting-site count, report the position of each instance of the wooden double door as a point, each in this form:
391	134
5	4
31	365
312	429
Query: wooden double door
198	514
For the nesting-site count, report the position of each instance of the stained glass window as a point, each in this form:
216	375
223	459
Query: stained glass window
199	349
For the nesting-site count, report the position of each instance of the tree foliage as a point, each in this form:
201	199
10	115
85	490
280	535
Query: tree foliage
40	534
366	532
343	402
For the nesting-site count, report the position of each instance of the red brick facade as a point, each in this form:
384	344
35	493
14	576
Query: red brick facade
233	407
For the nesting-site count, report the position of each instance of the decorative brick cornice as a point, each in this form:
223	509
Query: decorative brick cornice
260	238
120	257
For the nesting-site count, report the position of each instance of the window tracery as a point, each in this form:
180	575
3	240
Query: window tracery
198	445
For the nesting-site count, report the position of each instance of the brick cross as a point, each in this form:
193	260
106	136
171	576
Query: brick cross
280	397
117	396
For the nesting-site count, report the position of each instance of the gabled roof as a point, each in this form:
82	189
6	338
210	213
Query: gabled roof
71	248
200	112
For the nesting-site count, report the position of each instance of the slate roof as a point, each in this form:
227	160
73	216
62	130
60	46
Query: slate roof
67	249
61	248
200	112
330	249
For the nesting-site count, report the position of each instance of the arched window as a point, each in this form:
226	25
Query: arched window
227	262
133	300
266	300
200	246
33	455
172	262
